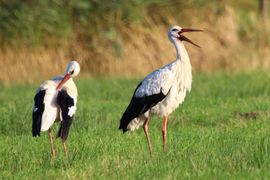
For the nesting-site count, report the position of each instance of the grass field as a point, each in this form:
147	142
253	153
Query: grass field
209	136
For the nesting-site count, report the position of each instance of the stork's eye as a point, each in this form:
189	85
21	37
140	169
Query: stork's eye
72	72
174	30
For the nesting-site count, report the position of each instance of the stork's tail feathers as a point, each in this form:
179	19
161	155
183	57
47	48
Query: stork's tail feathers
128	116
123	124
137	107
129	113
131	125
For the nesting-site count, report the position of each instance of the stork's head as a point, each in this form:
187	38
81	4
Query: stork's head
175	34
73	69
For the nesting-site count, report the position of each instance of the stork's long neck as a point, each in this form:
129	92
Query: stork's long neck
181	52
183	70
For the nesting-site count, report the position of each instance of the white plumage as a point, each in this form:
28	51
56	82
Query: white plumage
169	84
52	110
56	99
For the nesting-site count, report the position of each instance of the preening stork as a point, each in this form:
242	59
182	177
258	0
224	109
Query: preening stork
162	91
56	99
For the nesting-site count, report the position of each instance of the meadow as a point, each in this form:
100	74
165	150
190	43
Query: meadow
221	131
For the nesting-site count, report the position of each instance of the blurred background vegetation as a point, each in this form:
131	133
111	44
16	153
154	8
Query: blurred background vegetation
118	37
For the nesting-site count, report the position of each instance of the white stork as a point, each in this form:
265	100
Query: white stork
56	99
162	91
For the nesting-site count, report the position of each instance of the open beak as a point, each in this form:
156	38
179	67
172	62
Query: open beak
65	79
183	38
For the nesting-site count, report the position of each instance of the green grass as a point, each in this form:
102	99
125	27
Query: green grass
206	139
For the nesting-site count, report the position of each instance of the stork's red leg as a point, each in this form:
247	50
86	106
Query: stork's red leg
52	143
145	127
164	131
65	147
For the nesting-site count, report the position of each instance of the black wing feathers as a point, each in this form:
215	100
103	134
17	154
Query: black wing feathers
37	112
138	106
65	102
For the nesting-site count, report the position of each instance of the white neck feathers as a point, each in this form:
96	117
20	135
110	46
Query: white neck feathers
183	70
181	52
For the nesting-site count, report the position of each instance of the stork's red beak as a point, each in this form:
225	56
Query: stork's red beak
183	38
65	79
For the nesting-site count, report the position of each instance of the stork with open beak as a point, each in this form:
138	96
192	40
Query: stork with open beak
162	91
56	99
